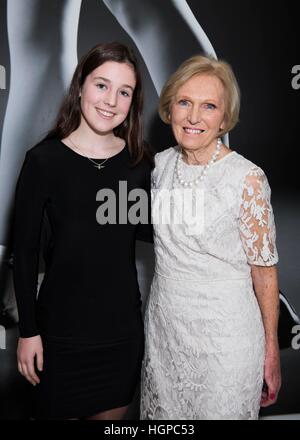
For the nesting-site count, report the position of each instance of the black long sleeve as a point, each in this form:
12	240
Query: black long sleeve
29	205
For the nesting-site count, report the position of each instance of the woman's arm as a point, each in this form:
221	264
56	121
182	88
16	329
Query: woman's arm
265	283
258	235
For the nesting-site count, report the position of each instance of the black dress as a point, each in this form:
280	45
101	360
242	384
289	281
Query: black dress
88	310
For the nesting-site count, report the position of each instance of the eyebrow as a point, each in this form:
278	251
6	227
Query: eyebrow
107	80
187	98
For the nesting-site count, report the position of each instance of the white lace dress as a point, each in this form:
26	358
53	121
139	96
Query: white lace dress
204	352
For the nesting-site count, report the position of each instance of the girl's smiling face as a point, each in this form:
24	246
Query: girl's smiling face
106	96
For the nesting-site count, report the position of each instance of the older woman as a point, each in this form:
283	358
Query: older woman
211	319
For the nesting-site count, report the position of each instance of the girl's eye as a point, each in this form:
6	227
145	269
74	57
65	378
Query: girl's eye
183	102
101	86
124	93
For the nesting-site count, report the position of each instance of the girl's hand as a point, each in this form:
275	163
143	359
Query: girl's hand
28	349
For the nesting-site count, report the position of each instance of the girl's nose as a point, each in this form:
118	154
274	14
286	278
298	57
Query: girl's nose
110	99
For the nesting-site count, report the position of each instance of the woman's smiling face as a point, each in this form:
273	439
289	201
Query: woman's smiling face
198	111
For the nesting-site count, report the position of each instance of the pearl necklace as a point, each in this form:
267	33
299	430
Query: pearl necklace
200	178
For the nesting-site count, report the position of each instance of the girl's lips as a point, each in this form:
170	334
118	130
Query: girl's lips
105	114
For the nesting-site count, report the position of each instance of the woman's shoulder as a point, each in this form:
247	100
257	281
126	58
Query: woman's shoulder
243	166
162	158
243	173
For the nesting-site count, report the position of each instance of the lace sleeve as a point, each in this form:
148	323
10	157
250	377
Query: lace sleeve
256	220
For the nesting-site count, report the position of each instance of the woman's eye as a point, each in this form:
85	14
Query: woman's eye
183	102
210	106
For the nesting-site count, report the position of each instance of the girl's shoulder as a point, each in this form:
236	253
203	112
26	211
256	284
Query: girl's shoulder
46	149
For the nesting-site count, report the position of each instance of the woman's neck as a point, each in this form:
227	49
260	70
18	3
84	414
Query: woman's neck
203	155
199	156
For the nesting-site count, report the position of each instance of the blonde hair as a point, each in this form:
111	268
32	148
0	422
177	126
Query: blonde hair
198	65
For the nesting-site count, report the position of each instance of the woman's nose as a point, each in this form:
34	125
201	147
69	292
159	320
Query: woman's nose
194	116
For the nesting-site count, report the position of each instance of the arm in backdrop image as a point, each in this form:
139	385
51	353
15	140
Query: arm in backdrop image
43	55
162	47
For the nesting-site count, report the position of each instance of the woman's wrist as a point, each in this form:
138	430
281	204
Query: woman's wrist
272	345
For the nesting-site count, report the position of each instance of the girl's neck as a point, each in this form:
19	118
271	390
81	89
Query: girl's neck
96	144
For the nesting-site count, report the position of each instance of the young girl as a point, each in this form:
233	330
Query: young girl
81	340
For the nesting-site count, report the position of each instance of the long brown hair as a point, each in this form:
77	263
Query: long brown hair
69	116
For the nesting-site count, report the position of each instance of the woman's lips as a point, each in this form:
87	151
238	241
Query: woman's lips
193	131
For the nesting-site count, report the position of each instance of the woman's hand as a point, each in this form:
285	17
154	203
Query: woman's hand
272	377
265	282
28	349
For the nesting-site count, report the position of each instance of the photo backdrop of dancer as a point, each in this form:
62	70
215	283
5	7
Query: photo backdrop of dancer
39	48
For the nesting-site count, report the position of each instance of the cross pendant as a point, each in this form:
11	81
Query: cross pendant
99	166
